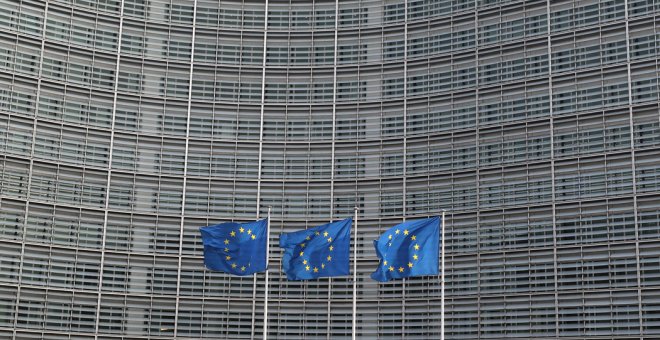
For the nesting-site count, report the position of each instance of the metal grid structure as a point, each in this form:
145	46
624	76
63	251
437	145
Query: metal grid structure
125	125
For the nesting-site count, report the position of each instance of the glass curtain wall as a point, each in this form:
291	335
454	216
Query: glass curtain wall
125	125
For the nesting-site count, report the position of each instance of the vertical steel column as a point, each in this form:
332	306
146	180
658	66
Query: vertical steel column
552	170
261	145
110	155
476	157
28	190
332	159
405	151
634	170
185	168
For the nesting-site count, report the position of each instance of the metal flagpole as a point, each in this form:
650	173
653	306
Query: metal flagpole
355	225
266	290
442	278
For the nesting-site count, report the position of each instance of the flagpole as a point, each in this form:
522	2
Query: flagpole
355	225
266	290
442	278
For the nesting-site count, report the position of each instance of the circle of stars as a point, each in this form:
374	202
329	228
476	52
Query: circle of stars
228	241
401	269
306	262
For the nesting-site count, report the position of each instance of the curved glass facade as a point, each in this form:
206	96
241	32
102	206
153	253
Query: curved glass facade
125	125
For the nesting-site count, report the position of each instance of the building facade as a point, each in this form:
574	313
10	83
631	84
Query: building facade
125	125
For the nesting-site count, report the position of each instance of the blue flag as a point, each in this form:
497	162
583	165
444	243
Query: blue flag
236	248
408	249
317	252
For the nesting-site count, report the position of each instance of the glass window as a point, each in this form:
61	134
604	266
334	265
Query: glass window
512	23
32	308
646	126
647	171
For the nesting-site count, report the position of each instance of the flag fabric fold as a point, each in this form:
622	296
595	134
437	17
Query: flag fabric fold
321	251
408	249
236	248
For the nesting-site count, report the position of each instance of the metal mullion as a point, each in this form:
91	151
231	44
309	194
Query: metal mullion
633	169
476	156
185	170
151	302
110	155
332	157
47	279
405	151
261	140
552	169
30	170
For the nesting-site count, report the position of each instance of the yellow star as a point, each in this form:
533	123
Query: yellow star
226	250
304	261
243	268
302	245
228	257
316	270
416	247
413	237
397	231
249	231
226	241
307	238
241	229
329	239
233	265
317	233
331	248
389	237
405	232
322	265
254	237
329	258
307	268
391	268
415	257
400	269
302	253
233	233
385	263
410	264
325	234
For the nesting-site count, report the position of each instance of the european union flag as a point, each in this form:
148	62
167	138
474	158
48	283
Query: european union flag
236	248
408	249
317	252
